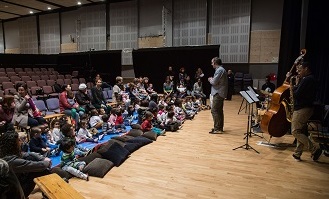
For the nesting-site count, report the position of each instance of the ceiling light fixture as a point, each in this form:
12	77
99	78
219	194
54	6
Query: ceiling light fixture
79	2
49	8
31	12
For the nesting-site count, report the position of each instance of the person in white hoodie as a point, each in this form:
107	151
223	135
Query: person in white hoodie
55	130
84	134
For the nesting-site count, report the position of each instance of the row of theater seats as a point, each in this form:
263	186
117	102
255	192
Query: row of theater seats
242	81
48	103
33	71
9	77
51	105
25	69
40	88
42	78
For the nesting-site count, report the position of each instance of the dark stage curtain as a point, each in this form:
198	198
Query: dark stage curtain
105	63
27	60
154	62
290	37
317	44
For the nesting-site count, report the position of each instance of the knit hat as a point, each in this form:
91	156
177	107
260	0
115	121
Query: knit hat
82	86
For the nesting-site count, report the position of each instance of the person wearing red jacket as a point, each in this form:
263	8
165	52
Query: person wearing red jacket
147	123
65	107
119	120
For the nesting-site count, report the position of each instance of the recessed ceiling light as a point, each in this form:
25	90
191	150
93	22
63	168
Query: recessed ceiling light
49	8
31	12
6	6
79	2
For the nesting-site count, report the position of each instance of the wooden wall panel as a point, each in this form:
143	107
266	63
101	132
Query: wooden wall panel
13	50
151	42
264	46
69	47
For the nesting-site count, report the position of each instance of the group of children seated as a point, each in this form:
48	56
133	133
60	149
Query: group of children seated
61	138
170	113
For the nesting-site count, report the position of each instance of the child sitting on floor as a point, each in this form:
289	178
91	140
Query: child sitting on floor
55	130
147	124
172	124
179	113
24	143
181	91
150	90
69	162
47	137
113	117
162	101
162	115
101	112
37	144
106	127
68	132
119	120
95	121
131	110
189	114
84	134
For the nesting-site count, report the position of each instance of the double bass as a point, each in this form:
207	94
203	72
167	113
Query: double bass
274	121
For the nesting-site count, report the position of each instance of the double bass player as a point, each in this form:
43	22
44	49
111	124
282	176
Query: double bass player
304	92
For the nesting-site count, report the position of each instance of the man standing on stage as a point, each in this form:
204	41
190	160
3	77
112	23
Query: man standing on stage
219	84
304	93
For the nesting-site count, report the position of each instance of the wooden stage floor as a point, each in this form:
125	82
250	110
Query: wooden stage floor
192	163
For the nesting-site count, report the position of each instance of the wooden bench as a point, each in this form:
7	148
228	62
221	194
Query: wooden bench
53	186
48	118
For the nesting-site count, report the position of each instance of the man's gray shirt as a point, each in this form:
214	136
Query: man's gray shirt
219	83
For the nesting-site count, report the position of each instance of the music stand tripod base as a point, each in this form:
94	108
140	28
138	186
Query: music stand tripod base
249	99
247	147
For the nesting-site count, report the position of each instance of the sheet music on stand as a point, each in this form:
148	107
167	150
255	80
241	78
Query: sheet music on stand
246	96
253	91
252	95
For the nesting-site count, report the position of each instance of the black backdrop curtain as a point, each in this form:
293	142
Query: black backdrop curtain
317	44
153	63
290	34
105	63
27	60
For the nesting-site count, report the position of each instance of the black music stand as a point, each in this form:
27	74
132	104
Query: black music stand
244	107
253	95
250	100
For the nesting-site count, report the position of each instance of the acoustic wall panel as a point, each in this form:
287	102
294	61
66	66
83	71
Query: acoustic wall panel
93	28
49	34
230	27
11	32
28	35
2	47
124	29
190	19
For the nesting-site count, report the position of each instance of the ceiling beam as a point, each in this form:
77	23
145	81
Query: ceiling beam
51	3
10	13
16	4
